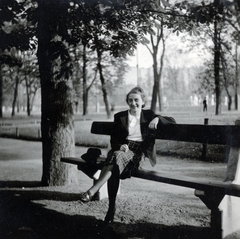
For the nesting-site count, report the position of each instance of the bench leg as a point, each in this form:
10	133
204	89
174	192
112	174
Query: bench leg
216	223
212	201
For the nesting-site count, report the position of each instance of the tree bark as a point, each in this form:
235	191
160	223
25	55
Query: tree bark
156	93
104	90
217	69
57	124
102	79
85	91
155	85
160	74
28	95
1	91
236	85
15	96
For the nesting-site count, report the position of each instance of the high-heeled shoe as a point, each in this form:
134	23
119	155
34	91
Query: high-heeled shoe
109	216
86	197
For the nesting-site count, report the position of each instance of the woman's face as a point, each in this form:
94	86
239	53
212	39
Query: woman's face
135	103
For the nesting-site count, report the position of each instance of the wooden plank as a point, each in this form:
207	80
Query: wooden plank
102	127
89	170
209	134
199	184
72	160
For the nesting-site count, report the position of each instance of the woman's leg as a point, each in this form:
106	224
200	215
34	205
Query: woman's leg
113	185
105	174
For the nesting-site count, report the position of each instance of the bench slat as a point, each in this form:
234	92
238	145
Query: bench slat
210	134
199	184
214	186
101	127
73	160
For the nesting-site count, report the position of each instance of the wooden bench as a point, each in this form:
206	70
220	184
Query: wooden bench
211	193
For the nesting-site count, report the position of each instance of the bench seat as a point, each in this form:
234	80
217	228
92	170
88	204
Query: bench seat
190	182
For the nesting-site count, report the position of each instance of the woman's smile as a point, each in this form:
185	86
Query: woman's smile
135	103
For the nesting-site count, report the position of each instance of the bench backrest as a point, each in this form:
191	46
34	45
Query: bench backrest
209	134
206	134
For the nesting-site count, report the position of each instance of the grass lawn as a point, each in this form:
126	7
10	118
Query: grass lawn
28	128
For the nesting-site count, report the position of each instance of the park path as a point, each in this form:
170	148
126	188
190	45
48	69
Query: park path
23	159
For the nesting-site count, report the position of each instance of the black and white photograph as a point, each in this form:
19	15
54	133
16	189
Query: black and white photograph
120	119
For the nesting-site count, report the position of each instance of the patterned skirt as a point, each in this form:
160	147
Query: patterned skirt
127	162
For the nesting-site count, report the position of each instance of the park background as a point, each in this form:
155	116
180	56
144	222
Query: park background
35	207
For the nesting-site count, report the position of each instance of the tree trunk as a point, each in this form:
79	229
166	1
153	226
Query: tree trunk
156	93
217	69
155	86
85	102
57	124
236	85
28	96
236	99
1	92
160	74
229	102
15	96
104	89
33	95
85	91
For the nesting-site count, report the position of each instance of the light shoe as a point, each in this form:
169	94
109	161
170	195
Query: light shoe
86	197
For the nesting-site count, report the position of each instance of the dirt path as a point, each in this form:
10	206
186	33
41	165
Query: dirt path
146	209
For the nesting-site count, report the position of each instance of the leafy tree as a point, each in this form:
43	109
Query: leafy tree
12	62
180	17
113	70
21	69
217	13
86	72
57	28
86	87
156	37
57	110
220	31
115	31
14	32
30	74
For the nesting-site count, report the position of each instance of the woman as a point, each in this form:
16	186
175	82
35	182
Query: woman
132	140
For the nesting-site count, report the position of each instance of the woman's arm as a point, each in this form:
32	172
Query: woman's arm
163	120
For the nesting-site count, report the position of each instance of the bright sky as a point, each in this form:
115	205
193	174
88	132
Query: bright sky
195	57
142	56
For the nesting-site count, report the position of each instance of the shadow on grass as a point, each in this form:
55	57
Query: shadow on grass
20	217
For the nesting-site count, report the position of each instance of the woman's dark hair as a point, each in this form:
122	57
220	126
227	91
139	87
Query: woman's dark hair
140	91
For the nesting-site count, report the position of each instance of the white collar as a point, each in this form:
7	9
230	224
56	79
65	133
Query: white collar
132	117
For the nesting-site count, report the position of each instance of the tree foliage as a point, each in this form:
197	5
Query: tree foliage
15	32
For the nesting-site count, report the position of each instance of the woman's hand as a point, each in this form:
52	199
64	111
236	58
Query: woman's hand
153	124
124	148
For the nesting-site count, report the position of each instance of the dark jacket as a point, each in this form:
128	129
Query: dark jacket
120	131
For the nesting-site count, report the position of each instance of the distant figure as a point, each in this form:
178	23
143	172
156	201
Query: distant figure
112	107
205	104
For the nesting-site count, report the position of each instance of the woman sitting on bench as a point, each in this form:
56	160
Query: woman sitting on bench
132	139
